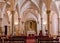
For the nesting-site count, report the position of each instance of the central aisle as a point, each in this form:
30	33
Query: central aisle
30	40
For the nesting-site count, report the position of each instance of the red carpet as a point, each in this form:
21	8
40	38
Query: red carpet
30	41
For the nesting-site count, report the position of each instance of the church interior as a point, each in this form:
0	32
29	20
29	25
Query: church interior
29	21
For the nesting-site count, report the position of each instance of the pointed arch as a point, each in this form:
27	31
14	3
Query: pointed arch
30	11
31	4
54	23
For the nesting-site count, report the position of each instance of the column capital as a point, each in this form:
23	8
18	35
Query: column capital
48	11
13	12
48	20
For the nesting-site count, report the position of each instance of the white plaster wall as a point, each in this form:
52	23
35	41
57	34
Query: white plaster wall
54	25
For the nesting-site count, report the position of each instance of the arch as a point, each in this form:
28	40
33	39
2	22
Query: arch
30	2
30	20
27	18
54	8
30	6
30	27
30	16
33	11
54	23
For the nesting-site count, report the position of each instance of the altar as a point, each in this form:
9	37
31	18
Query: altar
32	32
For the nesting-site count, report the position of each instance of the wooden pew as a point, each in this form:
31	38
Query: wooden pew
16	38
46	39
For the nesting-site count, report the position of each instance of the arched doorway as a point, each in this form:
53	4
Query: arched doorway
30	27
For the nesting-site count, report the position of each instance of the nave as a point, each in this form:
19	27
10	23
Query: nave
29	21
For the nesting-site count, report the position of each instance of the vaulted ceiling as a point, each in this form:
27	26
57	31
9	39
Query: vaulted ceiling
22	5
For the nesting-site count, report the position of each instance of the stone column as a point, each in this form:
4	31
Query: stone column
58	26
12	11
48	21
0	25
19	25
23	28
12	21
41	23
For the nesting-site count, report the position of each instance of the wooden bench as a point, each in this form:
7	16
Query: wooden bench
16	38
46	39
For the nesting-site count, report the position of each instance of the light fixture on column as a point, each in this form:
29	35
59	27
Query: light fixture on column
44	23
45	29
16	23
